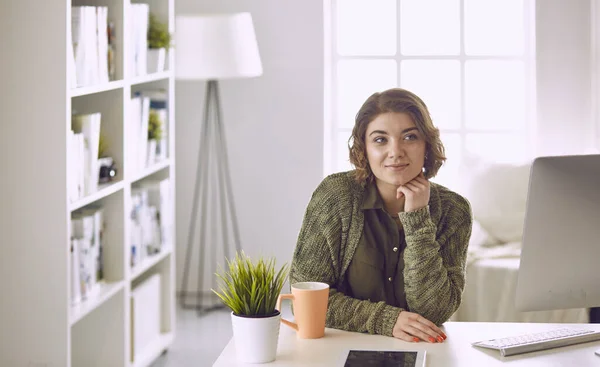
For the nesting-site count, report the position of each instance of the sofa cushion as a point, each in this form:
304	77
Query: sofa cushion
498	195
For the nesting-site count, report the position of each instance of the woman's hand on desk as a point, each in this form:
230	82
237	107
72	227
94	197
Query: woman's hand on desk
412	327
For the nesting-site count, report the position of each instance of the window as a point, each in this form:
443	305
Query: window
470	60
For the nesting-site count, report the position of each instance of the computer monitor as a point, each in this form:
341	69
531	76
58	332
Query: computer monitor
560	258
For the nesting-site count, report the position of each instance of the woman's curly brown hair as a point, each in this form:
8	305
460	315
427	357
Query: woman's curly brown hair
395	100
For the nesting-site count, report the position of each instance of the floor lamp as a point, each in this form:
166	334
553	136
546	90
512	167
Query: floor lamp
211	48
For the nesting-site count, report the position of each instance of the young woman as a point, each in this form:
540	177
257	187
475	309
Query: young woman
391	245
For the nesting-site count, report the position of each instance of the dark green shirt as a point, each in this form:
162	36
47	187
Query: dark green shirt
376	272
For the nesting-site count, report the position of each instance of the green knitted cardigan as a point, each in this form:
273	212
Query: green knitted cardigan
436	236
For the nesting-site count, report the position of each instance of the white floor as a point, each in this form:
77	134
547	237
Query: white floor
199	340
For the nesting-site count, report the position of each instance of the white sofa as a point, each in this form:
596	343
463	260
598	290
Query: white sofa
498	194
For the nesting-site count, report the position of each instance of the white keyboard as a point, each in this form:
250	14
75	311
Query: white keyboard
540	341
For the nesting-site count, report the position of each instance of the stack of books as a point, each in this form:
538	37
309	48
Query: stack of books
140	18
89	50
83	145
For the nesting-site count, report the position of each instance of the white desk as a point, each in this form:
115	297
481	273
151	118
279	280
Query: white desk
331	350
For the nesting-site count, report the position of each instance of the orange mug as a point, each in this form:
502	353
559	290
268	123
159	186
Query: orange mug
309	302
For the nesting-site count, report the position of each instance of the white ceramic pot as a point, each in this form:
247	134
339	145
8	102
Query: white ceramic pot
155	59
256	338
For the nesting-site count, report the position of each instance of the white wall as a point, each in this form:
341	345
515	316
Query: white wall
273	124
564	77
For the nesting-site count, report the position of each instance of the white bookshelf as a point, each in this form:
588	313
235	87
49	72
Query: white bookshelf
39	324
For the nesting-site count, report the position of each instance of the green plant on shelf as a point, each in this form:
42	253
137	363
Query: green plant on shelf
154	126
158	34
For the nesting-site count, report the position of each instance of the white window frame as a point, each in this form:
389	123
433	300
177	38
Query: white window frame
332	129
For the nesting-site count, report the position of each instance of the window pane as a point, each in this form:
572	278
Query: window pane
448	173
495	94
500	148
494	27
366	27
429	27
437	82
357	80
342	159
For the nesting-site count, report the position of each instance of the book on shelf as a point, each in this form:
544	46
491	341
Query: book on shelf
143	150
76	284
145	314
145	228
158	107
140	19
159	197
84	172
138	130
151	219
89	36
75	180
87	227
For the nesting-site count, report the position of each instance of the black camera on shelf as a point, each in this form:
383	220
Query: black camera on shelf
108	170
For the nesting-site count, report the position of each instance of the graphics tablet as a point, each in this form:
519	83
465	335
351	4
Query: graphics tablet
385	358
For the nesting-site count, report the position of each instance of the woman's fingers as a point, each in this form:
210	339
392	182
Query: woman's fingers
412	325
402	335
420	182
413	187
399	193
427	333
433	327
416	329
429	324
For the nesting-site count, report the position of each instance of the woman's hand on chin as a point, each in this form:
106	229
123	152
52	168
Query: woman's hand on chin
416	193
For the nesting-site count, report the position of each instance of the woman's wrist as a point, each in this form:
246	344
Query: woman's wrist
416	219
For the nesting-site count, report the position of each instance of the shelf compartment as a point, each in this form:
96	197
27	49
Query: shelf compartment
96	88
104	190
104	292
153	351
147	172
98	340
149	262
112	234
167	290
109	105
152	77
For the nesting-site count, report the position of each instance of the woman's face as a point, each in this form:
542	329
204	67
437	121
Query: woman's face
395	149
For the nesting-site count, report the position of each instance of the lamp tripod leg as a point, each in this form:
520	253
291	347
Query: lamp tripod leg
211	125
193	215
225	172
200	188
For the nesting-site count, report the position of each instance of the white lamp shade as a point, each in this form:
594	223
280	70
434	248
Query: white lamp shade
216	46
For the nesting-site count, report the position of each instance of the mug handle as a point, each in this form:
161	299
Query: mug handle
278	308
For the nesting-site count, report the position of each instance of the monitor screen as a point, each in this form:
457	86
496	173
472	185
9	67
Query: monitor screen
559	266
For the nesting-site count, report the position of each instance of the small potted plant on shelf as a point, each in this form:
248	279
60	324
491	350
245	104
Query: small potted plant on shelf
250	290
159	40
154	136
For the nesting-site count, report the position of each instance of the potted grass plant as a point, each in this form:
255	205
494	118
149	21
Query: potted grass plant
250	290
159	41
155	133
